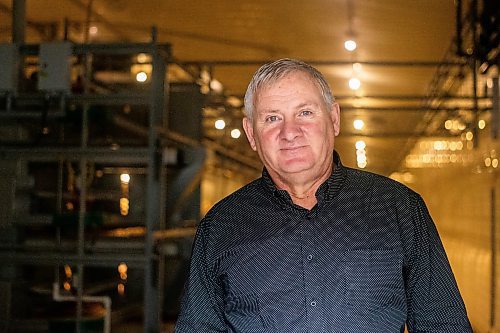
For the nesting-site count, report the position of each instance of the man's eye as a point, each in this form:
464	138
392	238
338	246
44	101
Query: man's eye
271	119
306	113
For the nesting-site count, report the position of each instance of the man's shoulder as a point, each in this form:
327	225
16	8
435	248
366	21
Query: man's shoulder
248	195
375	182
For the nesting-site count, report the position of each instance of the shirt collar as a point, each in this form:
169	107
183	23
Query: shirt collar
326	191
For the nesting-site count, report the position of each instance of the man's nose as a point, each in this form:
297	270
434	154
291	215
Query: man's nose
289	130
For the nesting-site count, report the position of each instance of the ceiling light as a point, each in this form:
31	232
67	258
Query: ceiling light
220	124
235	133
143	58
354	83
360	145
358	124
350	45
448	124
125	178
93	30
216	86
141	77
357	66
481	124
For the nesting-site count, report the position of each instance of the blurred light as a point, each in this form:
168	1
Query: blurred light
235	133
125	178
487	162
357	66
481	124
448	124
122	270
120	288
358	124
69	205
354	83
67	271
93	30
494	163
143	58
99	173
360	145
350	45
141	77
124	206
67	286
362	165
220	124
461	126
469	136
216	86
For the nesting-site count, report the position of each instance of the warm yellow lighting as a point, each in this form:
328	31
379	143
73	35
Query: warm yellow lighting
362	165
141	77
354	83
494	163
67	286
93	30
67	271
469	136
235	133
357	67
360	145
143	58
220	124
350	45
124	206
448	124
216	86
69	205
122	268
481	124
120	289
487	162
125	178
358	124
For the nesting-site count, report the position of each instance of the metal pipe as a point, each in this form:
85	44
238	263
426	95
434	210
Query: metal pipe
105	300
458	26
394	63
493	233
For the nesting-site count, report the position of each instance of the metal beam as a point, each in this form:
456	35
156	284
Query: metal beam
389	63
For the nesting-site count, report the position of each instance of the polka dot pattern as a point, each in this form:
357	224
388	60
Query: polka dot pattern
367	258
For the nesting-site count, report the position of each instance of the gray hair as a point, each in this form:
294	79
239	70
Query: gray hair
276	70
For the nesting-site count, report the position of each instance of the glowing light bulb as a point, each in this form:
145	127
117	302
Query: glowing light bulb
141	77
235	133
354	83
358	124
220	124
360	145
350	45
125	178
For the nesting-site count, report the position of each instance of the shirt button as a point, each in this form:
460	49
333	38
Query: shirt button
313	303
310	257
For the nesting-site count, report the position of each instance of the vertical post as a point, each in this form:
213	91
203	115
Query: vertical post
153	196
18	21
493	255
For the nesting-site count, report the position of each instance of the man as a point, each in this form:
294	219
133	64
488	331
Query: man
313	246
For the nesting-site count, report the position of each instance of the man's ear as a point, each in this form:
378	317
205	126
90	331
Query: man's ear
335	114
248	127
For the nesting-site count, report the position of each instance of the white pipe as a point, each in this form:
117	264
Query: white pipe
105	300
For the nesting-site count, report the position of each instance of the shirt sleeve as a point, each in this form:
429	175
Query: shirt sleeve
433	298
201	308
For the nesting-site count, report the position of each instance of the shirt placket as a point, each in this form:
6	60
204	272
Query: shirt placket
313	299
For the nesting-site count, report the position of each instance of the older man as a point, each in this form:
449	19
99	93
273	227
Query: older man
313	246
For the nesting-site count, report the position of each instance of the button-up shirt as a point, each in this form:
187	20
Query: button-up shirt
366	258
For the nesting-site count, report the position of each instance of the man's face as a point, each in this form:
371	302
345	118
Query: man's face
292	130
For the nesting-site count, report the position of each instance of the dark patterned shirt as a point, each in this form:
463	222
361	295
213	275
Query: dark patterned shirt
366	258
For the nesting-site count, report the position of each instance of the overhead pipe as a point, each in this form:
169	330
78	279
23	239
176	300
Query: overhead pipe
459	26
